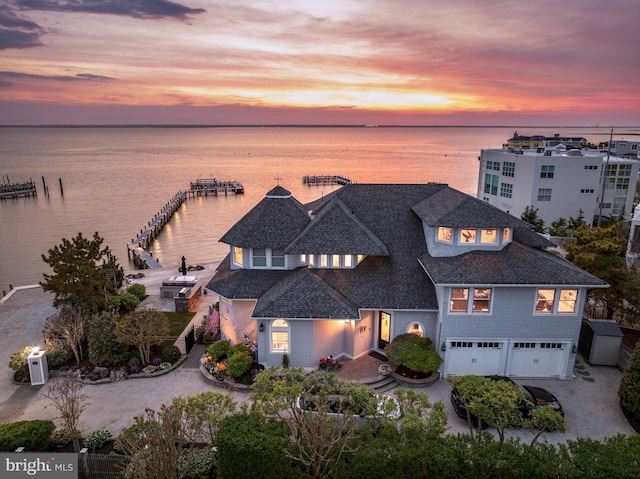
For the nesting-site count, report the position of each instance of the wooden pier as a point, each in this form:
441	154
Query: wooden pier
139	245
325	180
17	190
206	186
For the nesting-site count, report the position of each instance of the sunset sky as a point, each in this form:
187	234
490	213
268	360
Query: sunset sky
401	62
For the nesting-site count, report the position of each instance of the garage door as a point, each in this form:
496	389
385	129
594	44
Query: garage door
537	360
474	357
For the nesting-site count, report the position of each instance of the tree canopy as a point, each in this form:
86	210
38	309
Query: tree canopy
143	328
83	274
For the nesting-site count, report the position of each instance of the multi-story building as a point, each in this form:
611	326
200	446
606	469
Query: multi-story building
558	182
345	274
534	142
625	148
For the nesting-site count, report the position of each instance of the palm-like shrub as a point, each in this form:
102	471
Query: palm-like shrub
413	352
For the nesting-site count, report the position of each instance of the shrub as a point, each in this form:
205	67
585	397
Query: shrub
251	445
239	360
58	352
32	435
196	463
134	361
218	350
138	290
18	360
629	389
171	353
285	361
97	439
149	369
128	301
120	443
113	303
413	352
63	437
104	350
156	361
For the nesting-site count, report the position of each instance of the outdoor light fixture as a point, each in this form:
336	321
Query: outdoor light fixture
443	348
262	327
574	348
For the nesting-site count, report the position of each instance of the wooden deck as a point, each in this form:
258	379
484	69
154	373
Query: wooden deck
206	186
138	246
17	190
325	180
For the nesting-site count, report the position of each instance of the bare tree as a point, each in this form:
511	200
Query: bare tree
143	328
70	402
68	323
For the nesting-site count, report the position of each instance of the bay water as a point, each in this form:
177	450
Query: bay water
113	180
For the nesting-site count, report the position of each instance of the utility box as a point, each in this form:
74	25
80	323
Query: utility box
38	368
600	342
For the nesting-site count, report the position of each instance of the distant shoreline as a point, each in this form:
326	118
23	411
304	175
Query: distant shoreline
314	126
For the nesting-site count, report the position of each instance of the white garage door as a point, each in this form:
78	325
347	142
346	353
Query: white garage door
474	357
537	360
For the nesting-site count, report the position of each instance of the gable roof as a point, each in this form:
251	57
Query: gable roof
304	295
515	264
273	223
337	230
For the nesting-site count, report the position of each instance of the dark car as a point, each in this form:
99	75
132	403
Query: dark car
535	397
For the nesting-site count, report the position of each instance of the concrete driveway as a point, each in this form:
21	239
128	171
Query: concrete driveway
590	400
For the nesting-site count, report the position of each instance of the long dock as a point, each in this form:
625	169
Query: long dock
17	190
138	246
325	180
206	186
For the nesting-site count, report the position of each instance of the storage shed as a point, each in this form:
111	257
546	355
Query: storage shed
600	341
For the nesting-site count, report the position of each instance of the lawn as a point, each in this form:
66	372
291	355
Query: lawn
178	321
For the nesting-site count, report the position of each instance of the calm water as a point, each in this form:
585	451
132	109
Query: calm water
116	179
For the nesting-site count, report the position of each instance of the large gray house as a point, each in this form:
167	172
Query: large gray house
345	274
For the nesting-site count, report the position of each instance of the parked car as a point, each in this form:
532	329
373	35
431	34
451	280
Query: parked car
535	397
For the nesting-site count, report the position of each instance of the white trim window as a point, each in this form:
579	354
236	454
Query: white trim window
460	300
277	258
445	234
237	255
489	236
279	336
545	300
416	328
259	257
568	301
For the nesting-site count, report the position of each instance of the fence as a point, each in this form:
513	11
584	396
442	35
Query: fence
102	466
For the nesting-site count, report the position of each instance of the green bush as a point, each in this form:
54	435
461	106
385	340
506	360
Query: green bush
218	350
239	363
413	352
104	350
197	463
171	353
629	389
113	303
97	439
129	301
62	437
58	352
138	290
250	445
18	360
32	435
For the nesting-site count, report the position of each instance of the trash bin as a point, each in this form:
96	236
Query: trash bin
38	368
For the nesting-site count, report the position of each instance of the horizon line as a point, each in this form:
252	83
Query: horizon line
291	125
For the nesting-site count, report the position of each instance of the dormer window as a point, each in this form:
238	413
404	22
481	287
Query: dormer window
237	255
489	236
444	234
277	258
259	257
506	235
467	236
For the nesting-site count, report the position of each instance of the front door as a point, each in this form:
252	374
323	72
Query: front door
384	329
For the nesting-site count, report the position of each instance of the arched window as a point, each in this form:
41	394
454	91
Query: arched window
279	336
416	328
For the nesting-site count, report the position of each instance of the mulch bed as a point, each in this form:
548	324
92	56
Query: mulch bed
410	373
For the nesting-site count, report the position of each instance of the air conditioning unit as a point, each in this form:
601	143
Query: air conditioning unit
38	368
